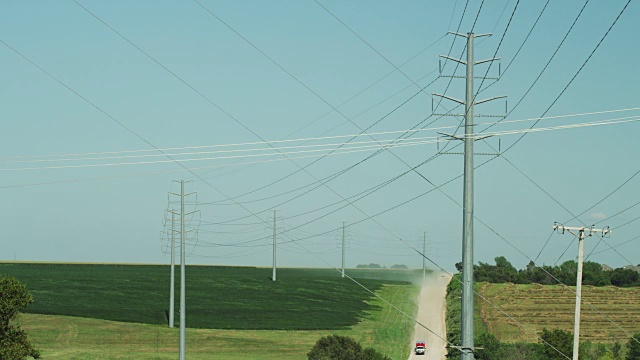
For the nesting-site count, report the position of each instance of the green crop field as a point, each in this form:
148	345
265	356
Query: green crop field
217	297
538	306
232	312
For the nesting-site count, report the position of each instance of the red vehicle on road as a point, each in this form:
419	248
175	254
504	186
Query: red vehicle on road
420	347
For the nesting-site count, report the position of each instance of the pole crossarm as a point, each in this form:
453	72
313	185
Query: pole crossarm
591	230
489	99
449	98
454	59
450	136
191	193
485	60
467	35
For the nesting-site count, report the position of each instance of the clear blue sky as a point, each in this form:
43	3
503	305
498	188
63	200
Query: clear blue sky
115	213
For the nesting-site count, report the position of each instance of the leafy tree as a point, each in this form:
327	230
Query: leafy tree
615	350
568	271
370	266
561	340
336	347
459	266
592	274
634	348
624	277
14	344
491	347
591	351
372	354
399	266
501	272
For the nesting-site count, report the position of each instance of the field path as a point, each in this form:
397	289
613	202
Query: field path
431	313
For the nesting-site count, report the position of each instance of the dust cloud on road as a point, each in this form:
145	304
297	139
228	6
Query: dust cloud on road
431	313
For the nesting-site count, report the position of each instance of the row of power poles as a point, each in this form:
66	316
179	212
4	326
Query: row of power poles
467	324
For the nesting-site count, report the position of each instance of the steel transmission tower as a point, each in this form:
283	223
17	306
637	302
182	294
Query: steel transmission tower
581	236
467	346
173	271
343	249
273	275
183	314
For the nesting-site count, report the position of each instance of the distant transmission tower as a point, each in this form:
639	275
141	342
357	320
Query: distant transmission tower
183	313
173	271
467	346
343	249
273	275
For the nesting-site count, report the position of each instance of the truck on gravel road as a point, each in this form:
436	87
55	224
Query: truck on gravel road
420	347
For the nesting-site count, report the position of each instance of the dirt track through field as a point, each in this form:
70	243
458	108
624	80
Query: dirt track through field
431	313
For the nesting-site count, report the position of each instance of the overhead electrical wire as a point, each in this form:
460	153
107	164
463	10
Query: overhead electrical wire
450	51
365	214
512	60
301	169
333	151
575	75
474	24
478	294
111	154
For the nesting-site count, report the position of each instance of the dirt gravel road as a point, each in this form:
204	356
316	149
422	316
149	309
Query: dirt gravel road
431	313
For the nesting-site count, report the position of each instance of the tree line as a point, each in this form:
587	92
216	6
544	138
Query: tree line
592	274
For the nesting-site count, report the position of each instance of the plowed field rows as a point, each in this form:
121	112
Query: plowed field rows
607	312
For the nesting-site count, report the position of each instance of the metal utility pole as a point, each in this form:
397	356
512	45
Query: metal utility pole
467	331
467	208
343	249
273	276
183	311
581	236
173	273
183	337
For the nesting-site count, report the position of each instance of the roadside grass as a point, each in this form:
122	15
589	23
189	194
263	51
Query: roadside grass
64	337
552	306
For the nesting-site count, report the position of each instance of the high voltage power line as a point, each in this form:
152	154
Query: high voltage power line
111	154
476	17
379	144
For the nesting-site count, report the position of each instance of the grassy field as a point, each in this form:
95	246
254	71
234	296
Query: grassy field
240	312
63	337
537	306
217	297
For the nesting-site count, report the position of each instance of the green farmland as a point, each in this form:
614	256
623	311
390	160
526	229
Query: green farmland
91	310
